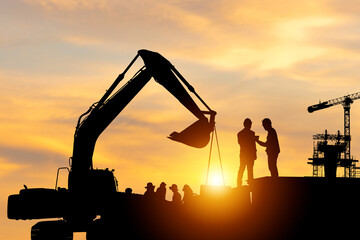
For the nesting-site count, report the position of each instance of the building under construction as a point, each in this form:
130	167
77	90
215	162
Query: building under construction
333	150
329	154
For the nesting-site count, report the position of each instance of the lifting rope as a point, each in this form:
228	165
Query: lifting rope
211	145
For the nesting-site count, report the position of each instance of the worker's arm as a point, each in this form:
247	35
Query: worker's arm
239	137
261	143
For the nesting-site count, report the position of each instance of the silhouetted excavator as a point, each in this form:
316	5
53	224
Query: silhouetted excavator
91	192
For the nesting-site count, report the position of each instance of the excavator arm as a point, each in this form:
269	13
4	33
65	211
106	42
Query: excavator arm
92	123
90	190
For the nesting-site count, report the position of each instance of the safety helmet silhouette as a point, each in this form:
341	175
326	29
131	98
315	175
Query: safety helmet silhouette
150	186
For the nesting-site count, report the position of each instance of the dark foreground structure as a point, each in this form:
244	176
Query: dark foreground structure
306	207
270	208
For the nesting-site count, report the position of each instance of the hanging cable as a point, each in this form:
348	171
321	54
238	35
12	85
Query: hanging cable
217	143
208	169
218	147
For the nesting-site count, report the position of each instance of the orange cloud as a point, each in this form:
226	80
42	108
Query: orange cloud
233	34
69	5
7	167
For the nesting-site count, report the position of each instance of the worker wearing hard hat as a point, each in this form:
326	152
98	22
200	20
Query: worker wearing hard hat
176	199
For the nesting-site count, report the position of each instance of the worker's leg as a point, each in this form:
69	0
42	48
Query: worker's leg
250	170
241	172
272	162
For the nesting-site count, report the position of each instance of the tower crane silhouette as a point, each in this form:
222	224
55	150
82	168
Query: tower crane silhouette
346	101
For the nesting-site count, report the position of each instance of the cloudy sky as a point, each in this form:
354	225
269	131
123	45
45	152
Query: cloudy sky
245	58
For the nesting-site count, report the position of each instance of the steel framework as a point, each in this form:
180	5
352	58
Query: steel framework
346	101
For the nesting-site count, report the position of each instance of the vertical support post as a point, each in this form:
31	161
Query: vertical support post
346	104
347	131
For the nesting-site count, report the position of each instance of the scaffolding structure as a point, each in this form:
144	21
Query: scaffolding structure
337	144
330	151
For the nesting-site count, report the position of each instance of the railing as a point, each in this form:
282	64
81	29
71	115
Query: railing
57	175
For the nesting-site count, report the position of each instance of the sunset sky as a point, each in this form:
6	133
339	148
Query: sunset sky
247	58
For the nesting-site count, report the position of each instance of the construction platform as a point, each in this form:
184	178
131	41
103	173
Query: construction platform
269	208
307	207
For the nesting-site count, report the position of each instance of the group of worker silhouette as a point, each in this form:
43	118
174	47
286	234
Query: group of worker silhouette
160	194
247	141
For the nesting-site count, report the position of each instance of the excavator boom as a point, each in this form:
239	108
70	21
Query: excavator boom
101	114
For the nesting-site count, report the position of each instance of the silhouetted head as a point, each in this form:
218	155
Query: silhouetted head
266	123
174	188
186	188
150	186
162	184
247	123
128	191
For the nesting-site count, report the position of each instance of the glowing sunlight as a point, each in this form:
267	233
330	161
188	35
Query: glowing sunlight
216	179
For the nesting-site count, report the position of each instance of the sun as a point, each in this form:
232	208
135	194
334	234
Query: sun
216	179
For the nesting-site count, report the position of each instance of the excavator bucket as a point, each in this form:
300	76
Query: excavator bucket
196	135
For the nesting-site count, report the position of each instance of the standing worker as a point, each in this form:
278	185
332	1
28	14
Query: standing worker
188	194
161	192
176	199
246	140
150	193
272	147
